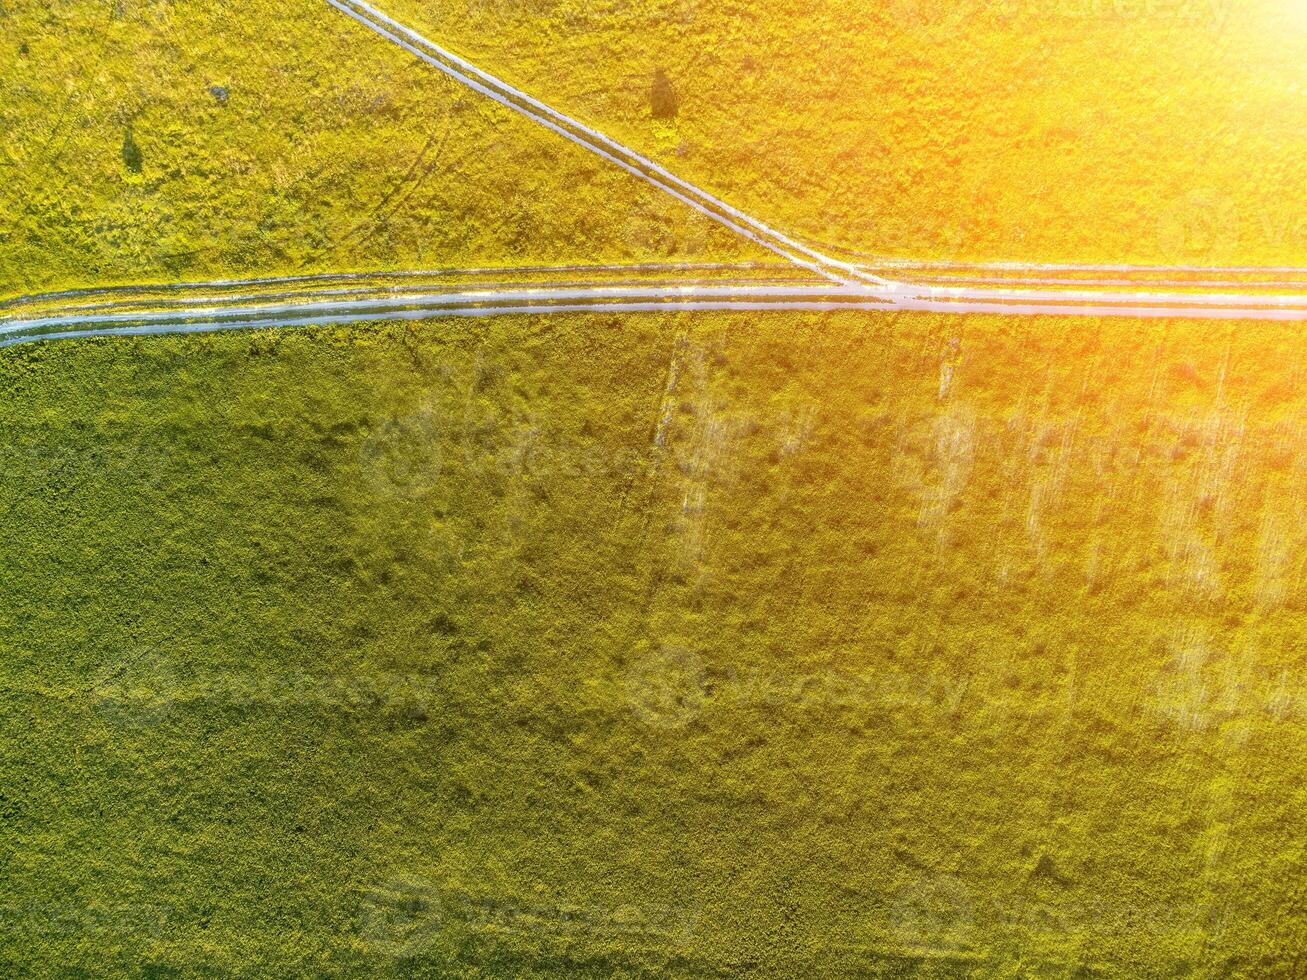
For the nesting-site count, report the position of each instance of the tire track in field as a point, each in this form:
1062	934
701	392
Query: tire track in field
516	100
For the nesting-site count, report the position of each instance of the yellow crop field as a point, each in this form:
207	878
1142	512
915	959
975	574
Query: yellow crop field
653	488
314	153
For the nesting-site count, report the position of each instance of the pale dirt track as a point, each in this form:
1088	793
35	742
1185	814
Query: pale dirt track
812	280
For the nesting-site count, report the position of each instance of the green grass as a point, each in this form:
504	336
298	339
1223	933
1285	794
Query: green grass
334	151
1155	131
713	645
1122	131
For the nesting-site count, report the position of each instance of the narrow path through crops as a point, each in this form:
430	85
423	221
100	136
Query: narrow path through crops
812	280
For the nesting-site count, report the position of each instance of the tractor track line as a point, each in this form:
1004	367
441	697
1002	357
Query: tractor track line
512	98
